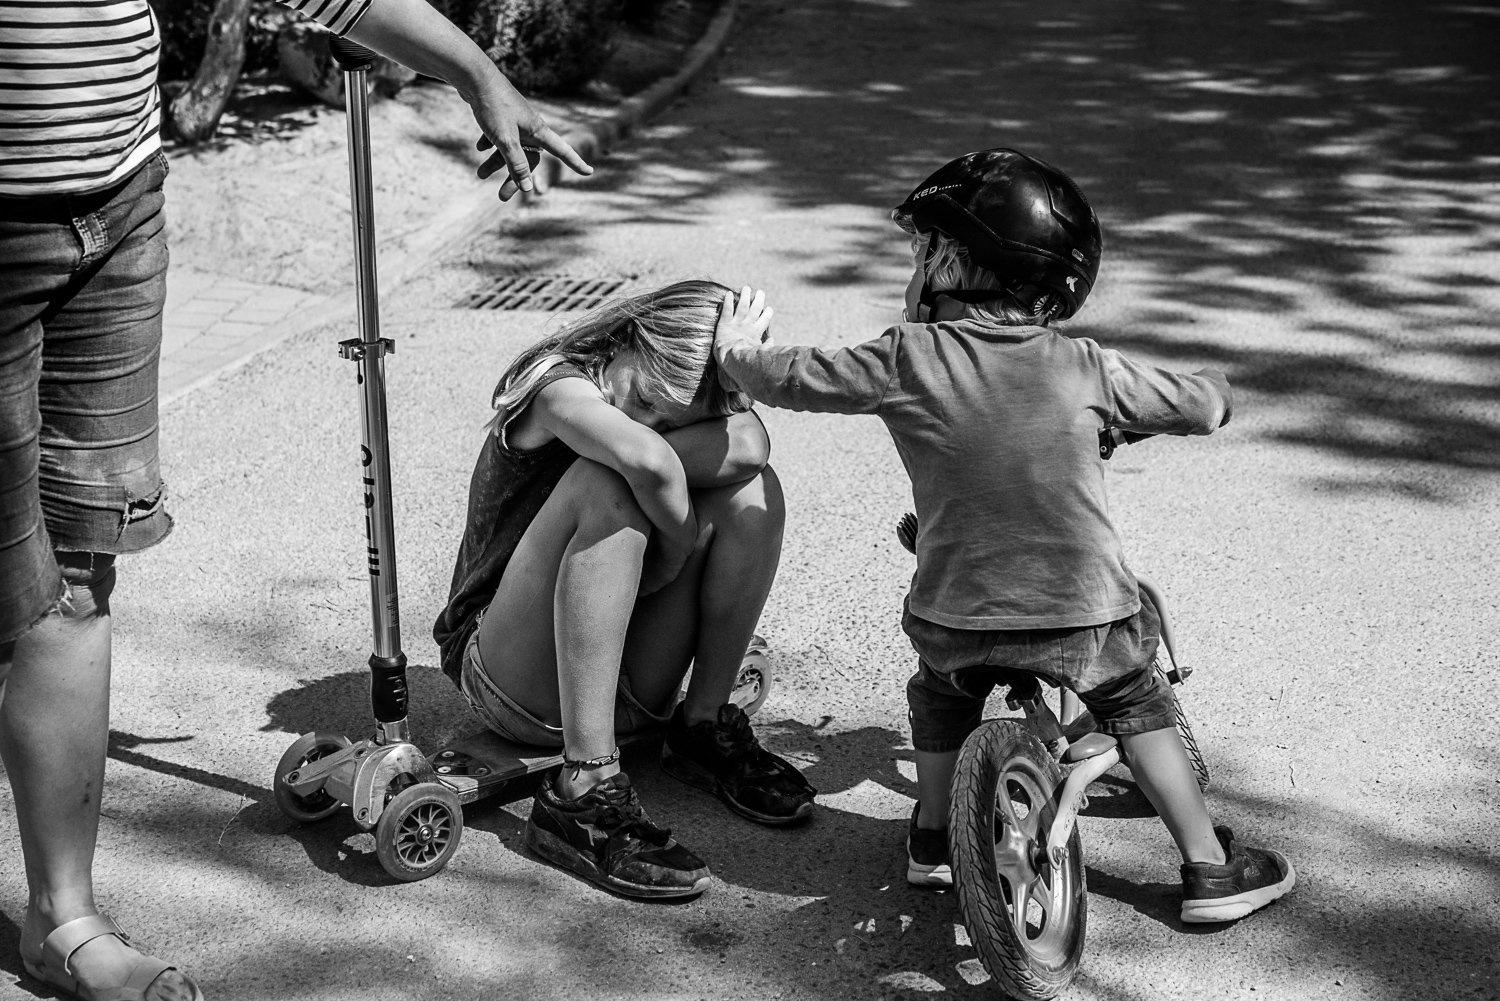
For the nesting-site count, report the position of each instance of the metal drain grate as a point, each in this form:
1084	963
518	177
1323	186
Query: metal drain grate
545	292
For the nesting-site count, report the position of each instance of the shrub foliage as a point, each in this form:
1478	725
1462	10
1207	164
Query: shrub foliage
552	46
184	32
543	46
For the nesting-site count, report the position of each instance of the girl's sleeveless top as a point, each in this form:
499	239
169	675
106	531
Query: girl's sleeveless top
507	490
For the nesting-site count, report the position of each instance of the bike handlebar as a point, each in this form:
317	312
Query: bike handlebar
1112	438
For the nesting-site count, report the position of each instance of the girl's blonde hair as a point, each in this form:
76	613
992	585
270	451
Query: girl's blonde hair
670	332
1015	304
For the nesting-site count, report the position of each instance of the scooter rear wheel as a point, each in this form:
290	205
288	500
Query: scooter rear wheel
306	749
1026	915
753	683
419	831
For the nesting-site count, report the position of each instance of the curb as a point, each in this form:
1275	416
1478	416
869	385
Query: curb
596	138
464	218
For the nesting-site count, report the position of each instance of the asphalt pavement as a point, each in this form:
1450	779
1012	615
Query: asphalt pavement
1301	194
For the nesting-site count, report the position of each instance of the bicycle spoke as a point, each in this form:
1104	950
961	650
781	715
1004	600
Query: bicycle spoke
1020	893
1044	892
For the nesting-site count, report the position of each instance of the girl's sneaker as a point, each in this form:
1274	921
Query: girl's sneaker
605	837
1249	879
726	759
927	855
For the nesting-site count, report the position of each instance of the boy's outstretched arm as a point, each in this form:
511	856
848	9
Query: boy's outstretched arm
847	381
1158	401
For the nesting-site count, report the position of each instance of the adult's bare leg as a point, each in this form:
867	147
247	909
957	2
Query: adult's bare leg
706	617
54	732
553	635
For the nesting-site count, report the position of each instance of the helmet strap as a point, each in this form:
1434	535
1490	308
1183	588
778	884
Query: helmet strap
927	297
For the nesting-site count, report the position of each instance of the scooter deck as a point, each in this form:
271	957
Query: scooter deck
482	763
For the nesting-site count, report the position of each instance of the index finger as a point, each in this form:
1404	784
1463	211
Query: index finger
558	147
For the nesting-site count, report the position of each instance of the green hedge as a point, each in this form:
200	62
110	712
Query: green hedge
552	46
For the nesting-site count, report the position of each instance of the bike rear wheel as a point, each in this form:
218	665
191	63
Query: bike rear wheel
1026	916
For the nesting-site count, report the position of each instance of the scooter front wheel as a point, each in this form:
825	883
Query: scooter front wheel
419	831
1026	914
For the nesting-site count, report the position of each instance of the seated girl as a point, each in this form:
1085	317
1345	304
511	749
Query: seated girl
623	525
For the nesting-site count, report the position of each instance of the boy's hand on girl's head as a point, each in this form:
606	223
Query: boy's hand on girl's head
743	322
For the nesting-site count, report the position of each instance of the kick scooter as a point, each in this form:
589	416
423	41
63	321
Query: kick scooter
413	803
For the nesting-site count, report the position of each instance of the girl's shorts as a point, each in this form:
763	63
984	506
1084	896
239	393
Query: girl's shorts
500	712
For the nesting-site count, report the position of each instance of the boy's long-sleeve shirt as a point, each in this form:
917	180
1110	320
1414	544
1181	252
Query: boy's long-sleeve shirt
998	427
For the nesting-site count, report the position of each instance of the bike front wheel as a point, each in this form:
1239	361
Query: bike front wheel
1026	914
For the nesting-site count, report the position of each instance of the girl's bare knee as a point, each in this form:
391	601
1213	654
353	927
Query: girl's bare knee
756	505
601	497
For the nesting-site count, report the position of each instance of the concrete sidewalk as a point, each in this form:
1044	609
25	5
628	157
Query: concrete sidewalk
212	323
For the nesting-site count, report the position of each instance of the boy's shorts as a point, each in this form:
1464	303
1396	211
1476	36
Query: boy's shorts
502	714
82	283
1111	667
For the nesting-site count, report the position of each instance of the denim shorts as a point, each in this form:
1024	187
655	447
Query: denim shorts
1111	667
502	714
82	284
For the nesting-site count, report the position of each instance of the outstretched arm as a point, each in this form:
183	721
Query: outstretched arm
847	381
1152	400
415	35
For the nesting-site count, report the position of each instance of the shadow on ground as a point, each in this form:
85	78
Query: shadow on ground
1305	199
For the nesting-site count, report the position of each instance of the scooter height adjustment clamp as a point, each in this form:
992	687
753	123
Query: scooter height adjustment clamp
356	349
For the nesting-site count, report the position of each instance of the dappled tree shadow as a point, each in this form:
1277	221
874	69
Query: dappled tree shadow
1300	193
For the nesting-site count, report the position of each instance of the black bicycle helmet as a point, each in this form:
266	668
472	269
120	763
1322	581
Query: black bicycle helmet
1019	217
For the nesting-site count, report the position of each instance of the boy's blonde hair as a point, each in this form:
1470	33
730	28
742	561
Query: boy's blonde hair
1015	304
669	330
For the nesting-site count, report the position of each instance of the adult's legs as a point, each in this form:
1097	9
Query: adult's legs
553	635
54	731
707	616
80	306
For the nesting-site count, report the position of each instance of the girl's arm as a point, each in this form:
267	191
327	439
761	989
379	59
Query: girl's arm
721	450
573	410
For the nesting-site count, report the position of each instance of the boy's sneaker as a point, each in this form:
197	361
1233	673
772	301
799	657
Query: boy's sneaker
927	855
724	758
605	837
1249	879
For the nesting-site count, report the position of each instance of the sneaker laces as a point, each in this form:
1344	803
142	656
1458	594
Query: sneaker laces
740	739
622	813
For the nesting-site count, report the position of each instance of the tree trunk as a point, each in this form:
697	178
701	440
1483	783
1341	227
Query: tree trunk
194	114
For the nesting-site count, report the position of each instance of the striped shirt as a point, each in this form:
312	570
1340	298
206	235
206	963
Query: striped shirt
79	106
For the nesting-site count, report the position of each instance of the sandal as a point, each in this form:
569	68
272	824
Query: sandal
69	937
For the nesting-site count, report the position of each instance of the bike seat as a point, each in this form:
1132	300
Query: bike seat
981	679
1088	746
